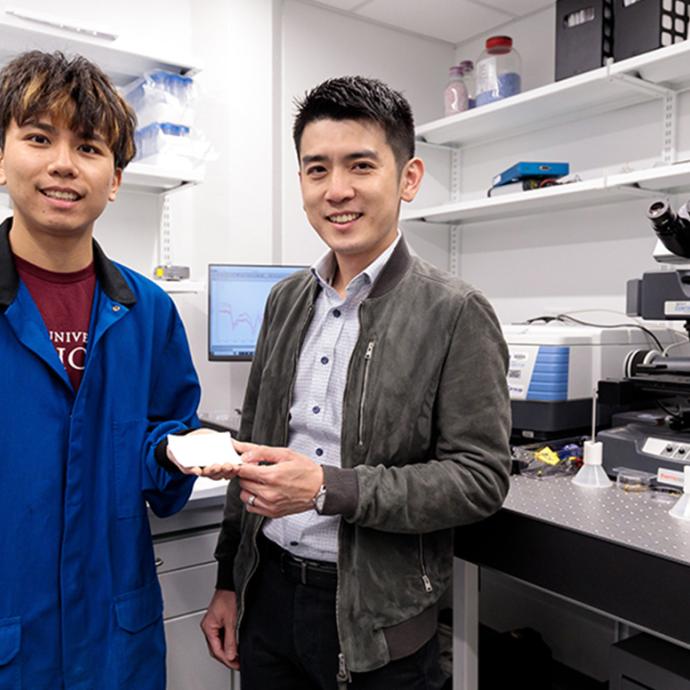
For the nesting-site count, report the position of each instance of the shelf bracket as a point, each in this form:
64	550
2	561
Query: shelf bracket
454	230
454	246
164	237
438	147
668	148
639	84
669	99
636	190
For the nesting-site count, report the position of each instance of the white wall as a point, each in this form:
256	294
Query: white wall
232	216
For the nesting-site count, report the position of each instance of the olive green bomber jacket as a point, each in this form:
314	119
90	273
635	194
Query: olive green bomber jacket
424	447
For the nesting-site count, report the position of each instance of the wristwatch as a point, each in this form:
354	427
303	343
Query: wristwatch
320	499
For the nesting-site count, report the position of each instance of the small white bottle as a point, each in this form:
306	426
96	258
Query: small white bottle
469	79
455	96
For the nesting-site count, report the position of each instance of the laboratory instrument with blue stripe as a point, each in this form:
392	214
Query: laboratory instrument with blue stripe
554	368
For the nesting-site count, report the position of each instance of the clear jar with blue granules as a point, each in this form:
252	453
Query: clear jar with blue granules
498	71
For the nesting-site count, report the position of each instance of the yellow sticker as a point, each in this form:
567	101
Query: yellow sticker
547	456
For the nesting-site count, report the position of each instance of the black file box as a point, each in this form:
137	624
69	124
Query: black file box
644	25
584	35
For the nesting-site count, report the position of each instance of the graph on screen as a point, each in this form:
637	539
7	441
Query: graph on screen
237	297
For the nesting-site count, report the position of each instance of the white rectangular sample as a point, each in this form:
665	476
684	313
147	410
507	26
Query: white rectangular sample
201	450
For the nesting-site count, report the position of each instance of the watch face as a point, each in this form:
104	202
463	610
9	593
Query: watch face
320	500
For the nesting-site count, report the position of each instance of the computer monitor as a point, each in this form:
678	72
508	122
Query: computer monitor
236	299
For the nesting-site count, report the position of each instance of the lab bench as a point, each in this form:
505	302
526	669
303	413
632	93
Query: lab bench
617	553
183	546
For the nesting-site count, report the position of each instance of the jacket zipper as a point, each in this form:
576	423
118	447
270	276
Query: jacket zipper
343	676
363	397
425	578
249	577
303	333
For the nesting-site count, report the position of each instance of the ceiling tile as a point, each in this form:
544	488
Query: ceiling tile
518	8
449	20
341	4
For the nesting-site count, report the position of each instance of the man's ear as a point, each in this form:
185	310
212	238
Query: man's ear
411	178
115	184
3	177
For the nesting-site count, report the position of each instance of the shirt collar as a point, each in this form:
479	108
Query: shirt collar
324	267
109	276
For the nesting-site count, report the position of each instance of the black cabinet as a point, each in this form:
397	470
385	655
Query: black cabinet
644	662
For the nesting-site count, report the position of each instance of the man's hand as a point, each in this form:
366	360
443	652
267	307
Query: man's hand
285	486
218	626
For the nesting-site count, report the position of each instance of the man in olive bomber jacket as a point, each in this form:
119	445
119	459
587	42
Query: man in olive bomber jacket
376	419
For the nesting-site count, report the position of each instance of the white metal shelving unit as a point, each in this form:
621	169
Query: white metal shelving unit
180	287
123	63
152	179
660	75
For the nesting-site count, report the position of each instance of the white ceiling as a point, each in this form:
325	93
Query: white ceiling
454	21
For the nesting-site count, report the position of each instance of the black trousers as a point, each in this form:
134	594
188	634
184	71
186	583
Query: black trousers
288	641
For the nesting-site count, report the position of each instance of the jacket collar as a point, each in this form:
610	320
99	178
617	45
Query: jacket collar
111	280
391	274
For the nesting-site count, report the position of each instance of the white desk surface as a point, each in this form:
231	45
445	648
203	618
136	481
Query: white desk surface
204	487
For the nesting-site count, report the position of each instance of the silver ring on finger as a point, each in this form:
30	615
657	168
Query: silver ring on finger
252	500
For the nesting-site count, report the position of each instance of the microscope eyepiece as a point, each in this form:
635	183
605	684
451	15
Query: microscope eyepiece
672	228
658	210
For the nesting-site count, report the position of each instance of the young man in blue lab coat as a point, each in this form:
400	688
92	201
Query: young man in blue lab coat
378	394
96	371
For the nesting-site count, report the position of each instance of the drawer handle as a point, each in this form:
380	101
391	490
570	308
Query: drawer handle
159	561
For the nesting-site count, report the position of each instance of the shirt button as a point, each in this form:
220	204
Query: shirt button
116	307
319	451
336	313
316	409
324	360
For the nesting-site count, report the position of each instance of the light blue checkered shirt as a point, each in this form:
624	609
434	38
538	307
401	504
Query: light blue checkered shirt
317	399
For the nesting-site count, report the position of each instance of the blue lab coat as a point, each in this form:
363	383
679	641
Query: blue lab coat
80	603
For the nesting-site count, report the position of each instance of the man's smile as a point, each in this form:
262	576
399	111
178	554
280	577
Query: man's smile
344	217
61	193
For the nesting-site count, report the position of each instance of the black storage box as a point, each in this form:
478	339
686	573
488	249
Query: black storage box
584	35
646	662
644	25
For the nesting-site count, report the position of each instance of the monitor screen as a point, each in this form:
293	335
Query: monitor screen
236	298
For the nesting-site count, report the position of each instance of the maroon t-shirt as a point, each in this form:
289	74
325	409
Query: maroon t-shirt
64	300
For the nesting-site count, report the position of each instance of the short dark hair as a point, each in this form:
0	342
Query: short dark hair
73	91
360	98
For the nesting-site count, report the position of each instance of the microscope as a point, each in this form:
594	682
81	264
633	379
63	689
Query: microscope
652	432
